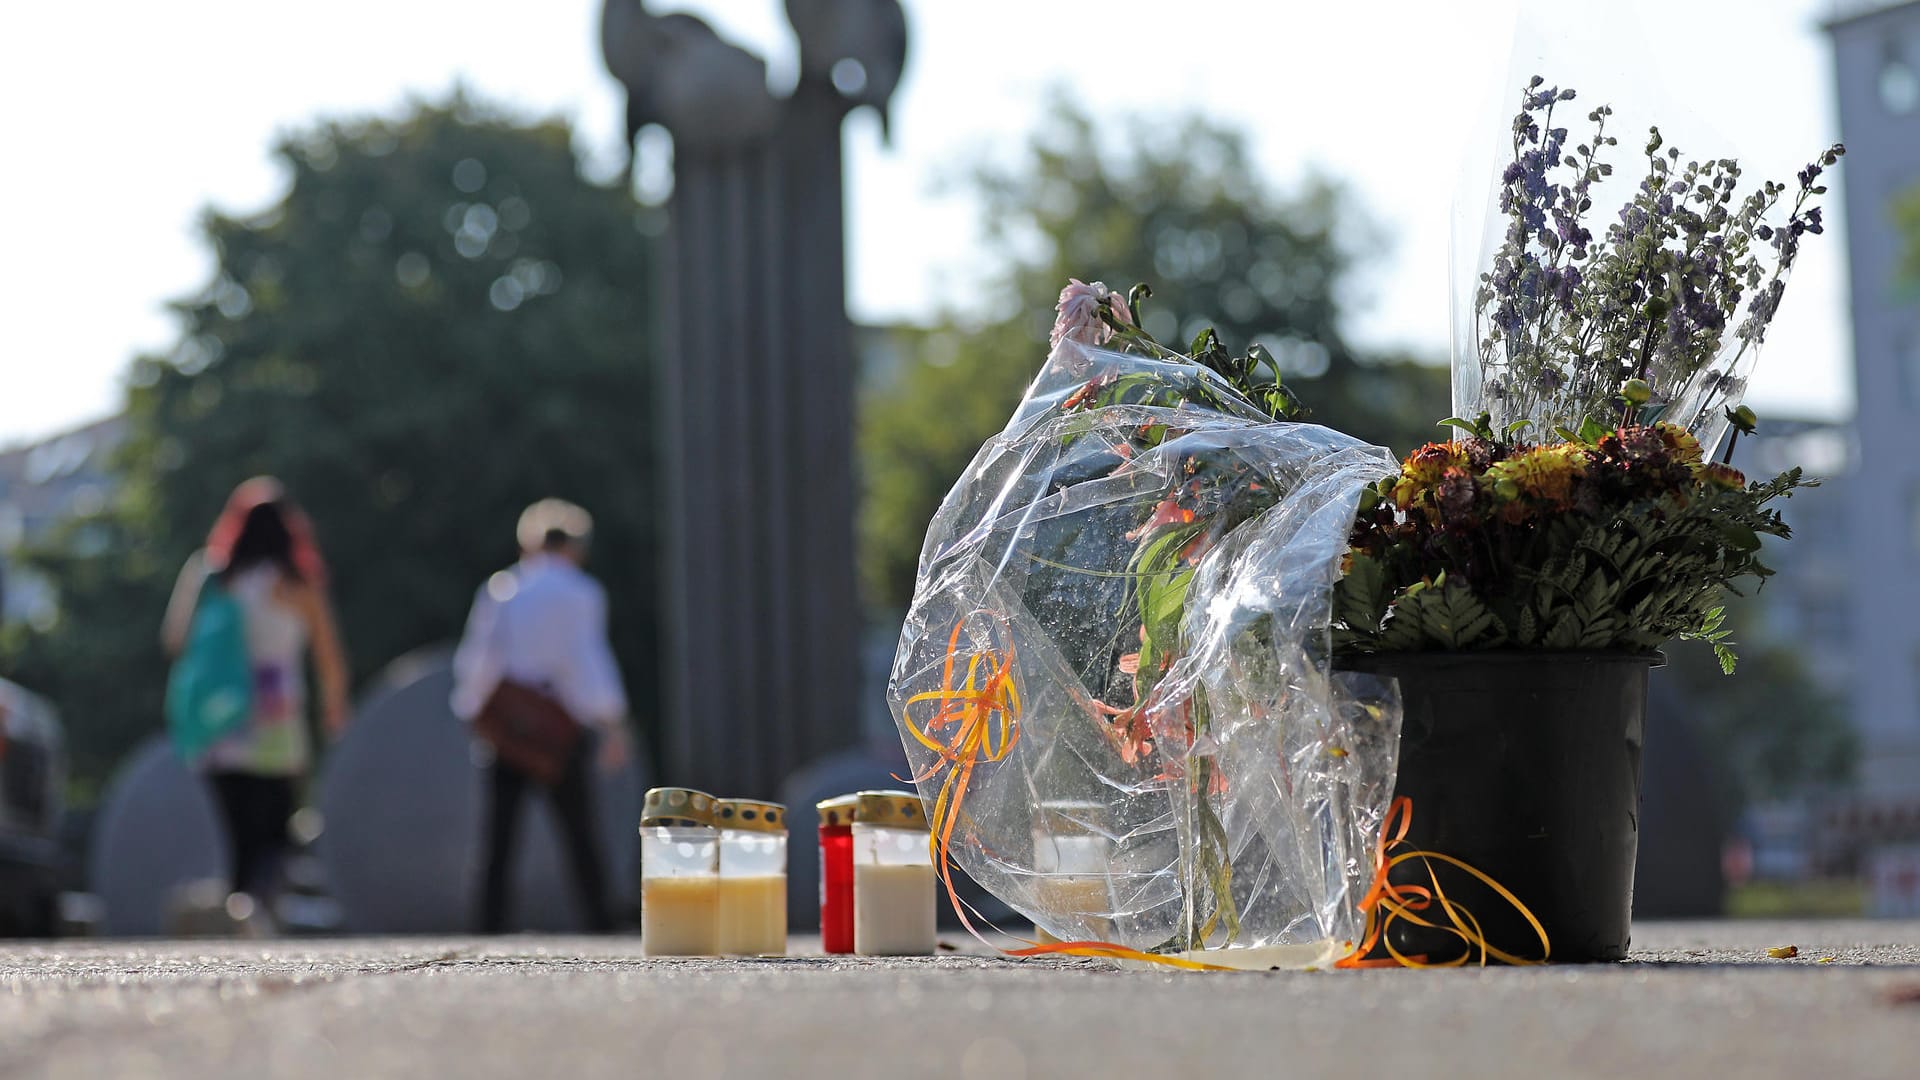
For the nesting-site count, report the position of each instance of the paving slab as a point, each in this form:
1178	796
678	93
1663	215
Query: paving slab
1698	999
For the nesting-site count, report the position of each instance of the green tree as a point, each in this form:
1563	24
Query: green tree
440	322
1771	730
1181	206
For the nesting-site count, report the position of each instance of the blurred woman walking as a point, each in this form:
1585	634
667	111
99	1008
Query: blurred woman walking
260	556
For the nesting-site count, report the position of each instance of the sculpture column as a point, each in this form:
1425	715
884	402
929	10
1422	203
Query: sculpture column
756	400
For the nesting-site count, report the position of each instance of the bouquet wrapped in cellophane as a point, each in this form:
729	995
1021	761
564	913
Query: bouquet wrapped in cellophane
1114	681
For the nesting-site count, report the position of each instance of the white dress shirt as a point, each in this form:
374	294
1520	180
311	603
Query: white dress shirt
542	624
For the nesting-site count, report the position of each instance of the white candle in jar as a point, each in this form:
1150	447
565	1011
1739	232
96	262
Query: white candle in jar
893	878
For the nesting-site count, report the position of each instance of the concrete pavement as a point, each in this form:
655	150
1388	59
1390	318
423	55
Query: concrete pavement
1700	999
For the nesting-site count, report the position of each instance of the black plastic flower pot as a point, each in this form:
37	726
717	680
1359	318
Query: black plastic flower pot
1525	766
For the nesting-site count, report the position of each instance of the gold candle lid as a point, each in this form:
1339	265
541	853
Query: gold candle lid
837	810
750	815
671	806
897	809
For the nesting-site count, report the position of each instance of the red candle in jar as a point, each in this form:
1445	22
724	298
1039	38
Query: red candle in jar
836	874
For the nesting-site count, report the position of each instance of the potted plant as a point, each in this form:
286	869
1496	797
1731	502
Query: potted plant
1519	580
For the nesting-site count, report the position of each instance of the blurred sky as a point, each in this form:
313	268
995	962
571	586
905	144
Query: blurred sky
124	119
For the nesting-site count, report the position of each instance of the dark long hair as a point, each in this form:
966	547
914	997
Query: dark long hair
262	525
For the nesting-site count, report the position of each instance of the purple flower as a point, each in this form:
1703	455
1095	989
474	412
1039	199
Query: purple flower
1561	285
1535	170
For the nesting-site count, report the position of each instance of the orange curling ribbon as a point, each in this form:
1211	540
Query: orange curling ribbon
976	722
1107	950
1386	902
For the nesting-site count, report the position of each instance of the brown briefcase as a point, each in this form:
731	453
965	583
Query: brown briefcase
528	730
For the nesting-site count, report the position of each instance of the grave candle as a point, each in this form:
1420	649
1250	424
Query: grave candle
1071	855
893	883
753	877
836	873
679	874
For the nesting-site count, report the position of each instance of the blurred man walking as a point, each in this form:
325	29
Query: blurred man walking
536	678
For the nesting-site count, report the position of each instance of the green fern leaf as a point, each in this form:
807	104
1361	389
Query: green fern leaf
1525	626
1564	632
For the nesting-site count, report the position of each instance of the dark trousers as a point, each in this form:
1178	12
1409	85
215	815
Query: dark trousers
256	809
572	798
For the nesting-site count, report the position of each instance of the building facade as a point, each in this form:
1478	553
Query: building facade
42	485
1808	602
1876	50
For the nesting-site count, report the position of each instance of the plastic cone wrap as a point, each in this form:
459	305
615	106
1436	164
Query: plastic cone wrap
1114	682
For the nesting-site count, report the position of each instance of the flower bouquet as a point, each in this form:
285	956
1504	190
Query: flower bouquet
1113	682
1147	683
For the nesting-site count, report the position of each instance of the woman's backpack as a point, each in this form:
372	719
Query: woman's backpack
210	688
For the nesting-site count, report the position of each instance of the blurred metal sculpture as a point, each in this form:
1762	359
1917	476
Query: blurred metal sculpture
756	381
681	74
857	46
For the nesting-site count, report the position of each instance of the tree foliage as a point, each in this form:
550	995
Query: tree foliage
1179	204
1772	732
440	322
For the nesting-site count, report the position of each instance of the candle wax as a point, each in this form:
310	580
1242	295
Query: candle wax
679	916
753	915
893	909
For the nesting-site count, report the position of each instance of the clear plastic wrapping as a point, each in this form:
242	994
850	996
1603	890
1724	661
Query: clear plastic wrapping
1114	683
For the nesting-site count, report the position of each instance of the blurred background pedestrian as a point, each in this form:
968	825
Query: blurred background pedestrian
536	676
262	554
